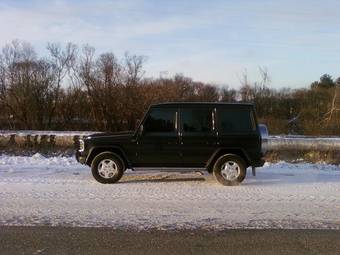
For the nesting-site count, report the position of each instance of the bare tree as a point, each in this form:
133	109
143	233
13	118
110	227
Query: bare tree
62	60
334	106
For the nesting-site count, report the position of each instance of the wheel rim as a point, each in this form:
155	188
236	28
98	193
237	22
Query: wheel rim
107	168
230	170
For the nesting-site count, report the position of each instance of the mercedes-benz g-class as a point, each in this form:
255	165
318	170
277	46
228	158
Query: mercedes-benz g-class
221	138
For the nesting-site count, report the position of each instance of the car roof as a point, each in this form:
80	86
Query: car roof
202	104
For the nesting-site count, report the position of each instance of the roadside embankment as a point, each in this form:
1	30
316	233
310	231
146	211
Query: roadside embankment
287	148
45	142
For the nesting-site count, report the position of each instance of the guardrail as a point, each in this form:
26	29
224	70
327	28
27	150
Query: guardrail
301	143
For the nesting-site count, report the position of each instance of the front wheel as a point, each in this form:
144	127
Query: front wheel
229	170
107	167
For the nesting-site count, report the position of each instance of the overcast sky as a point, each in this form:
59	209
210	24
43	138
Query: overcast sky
212	41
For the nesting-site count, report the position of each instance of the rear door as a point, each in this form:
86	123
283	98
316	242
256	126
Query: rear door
158	145
197	134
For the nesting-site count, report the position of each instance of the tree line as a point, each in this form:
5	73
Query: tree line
72	88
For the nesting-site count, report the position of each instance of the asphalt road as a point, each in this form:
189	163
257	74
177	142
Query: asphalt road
69	240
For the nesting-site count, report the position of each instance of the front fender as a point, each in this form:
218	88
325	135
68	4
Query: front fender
99	149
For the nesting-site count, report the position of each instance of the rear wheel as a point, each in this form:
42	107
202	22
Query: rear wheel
107	167
229	170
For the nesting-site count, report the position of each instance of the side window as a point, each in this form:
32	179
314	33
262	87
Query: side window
235	121
196	120
161	120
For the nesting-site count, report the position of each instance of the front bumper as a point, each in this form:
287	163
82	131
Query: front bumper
80	158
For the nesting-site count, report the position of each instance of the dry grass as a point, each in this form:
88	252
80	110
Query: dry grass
330	157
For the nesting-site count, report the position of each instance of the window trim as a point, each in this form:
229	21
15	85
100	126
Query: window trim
253	122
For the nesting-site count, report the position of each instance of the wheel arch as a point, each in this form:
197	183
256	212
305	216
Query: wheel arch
114	149
222	151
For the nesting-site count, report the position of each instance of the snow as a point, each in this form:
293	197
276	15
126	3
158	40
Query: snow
59	191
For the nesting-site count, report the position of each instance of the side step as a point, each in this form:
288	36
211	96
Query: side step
170	169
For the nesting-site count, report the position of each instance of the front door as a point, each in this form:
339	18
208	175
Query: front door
158	145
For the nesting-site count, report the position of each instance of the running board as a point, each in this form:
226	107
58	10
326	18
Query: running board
170	169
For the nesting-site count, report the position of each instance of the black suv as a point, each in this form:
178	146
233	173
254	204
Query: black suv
223	139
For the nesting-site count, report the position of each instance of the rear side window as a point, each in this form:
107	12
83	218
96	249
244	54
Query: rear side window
161	120
235	121
196	120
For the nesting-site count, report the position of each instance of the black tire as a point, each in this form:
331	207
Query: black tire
109	156
241	169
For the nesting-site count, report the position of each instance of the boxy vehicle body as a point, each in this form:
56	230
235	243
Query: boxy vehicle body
222	138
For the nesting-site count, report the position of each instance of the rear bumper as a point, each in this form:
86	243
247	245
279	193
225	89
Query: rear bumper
80	158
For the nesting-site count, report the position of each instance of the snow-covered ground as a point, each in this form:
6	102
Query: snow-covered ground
59	191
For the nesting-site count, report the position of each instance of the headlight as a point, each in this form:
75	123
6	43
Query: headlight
81	145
